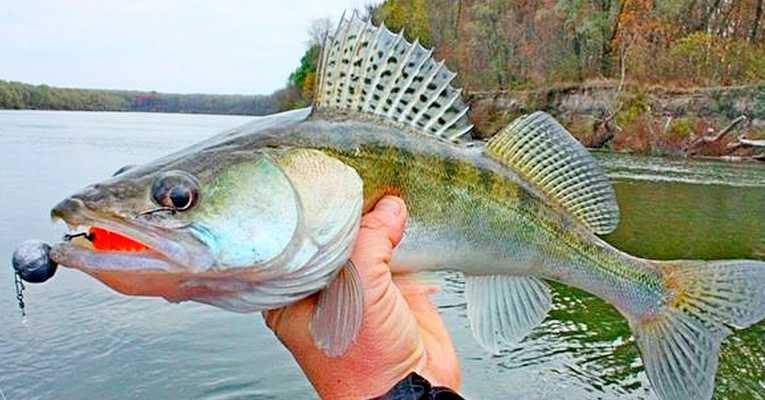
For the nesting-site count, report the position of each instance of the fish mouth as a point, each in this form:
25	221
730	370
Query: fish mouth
98	243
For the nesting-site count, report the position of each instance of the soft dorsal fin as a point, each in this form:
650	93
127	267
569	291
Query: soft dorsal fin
370	70
540	149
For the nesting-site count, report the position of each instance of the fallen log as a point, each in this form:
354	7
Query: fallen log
751	143
720	135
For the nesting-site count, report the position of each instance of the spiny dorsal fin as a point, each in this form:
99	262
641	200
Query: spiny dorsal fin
541	150
371	70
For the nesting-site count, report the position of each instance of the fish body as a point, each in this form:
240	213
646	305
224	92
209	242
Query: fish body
265	215
468	212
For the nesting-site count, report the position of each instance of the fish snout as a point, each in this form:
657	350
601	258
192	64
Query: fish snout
92	195
68	209
98	197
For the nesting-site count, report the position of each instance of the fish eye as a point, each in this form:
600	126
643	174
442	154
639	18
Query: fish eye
176	190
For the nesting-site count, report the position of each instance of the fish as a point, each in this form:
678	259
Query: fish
266	214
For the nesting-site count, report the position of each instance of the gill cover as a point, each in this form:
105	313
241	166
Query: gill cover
249	216
282	228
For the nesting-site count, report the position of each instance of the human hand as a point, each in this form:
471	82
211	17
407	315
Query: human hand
401	331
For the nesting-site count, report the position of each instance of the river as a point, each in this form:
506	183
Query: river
81	340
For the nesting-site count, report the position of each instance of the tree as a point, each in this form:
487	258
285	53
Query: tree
408	15
318	31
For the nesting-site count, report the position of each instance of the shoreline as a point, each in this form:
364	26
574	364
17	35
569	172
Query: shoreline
131	112
682	155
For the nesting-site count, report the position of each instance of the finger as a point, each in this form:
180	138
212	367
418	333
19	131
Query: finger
417	291
287	321
381	229
413	284
443	367
388	217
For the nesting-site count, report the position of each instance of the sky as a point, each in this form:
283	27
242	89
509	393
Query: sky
216	47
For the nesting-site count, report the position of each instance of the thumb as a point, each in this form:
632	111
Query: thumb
381	230
387	218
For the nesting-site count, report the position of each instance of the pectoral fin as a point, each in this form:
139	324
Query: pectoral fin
338	314
504	309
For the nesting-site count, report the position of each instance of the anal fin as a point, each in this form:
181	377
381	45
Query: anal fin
339	312
504	309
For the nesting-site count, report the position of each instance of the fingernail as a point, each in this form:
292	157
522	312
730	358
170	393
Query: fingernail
389	206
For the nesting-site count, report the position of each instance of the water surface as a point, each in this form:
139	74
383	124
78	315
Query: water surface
82	340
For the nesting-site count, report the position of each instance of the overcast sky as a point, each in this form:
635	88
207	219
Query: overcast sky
223	46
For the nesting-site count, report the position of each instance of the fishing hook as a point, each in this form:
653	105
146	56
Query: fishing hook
86	235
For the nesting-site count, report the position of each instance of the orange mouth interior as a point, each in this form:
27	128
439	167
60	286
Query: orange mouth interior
106	240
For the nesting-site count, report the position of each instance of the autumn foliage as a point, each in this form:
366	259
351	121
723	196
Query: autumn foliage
515	56
512	44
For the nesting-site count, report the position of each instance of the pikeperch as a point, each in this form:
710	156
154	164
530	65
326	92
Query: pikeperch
264	215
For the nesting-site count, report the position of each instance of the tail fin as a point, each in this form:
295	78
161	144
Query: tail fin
706	299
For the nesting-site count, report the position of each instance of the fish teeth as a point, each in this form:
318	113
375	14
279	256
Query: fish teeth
78	228
72	226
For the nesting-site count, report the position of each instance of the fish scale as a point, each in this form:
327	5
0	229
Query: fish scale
457	189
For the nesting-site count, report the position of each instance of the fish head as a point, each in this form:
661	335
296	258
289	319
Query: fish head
245	231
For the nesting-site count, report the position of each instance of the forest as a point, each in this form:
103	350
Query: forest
654	76
511	44
17	95
526	44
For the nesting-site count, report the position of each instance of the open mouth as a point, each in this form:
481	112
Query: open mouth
103	243
109	246
100	239
96	248
124	258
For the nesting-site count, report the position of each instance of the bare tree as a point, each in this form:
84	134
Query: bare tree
756	24
605	124
367	11
318	31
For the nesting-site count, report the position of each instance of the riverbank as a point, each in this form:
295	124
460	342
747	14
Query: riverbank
718	122
722	123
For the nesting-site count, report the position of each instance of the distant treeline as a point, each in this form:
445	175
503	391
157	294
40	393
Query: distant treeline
17	95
